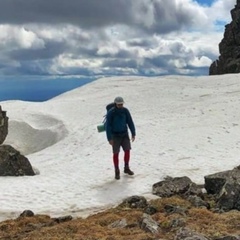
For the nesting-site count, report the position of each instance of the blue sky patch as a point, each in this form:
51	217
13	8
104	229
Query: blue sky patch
205	2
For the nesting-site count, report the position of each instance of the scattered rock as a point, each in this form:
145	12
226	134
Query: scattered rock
150	210
119	224
177	222
198	202
135	202
63	219
149	225
170	209
187	234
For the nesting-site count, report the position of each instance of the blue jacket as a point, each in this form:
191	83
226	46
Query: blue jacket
118	121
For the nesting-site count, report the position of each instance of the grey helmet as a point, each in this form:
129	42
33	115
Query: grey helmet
118	100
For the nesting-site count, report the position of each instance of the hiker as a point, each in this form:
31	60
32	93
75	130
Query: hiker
118	121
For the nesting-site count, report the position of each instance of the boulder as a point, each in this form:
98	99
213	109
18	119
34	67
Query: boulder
229	47
27	213
12	163
226	186
3	125
215	182
175	186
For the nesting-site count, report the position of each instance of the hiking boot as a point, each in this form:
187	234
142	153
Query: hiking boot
117	174
128	171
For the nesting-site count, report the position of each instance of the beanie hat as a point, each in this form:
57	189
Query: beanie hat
118	100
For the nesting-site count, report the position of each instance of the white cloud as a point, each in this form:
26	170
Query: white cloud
28	39
219	13
19	37
148	33
108	49
66	62
178	63
200	62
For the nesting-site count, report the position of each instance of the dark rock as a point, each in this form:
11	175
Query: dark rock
175	186
170	209
198	202
229	197
3	125
63	219
226	186
135	202
229	47
215	182
150	210
27	213
12	163
177	222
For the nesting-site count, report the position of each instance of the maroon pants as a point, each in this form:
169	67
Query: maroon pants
126	159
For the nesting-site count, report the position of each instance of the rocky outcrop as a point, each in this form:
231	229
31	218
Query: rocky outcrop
12	163
3	125
223	187
229	47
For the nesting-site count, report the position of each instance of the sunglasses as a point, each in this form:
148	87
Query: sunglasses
119	104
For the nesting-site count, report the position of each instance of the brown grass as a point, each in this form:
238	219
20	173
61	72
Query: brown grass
97	227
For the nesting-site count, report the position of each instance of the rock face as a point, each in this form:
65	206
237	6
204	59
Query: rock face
12	163
3	125
229	47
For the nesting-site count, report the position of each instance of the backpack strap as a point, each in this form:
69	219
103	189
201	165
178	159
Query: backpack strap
110	109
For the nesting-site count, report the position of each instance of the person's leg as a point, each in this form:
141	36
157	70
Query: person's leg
116	150
126	145
126	158
115	160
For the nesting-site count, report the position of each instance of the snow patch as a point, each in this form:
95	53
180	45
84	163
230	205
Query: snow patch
28	138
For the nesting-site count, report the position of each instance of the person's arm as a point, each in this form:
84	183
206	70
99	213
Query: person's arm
131	125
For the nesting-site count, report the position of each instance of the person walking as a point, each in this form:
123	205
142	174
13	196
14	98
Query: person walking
118	121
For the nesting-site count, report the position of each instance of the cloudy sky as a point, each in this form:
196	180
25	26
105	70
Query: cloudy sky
110	37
